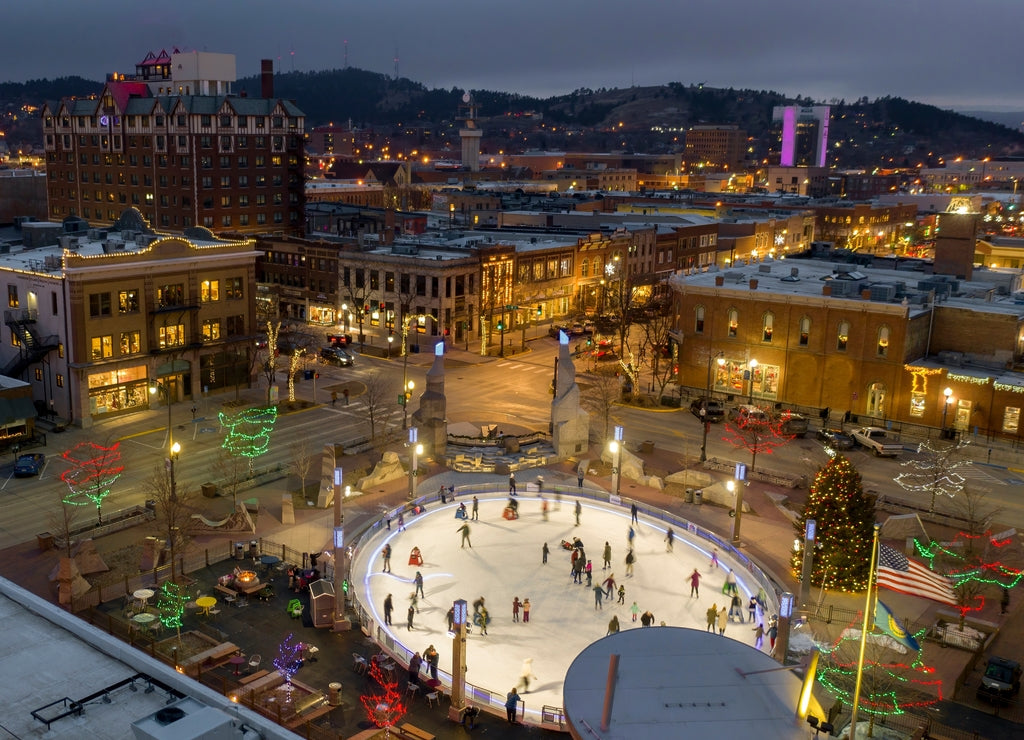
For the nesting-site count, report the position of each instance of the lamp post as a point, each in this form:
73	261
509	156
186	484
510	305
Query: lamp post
616	449
753	366
707	397
736	485
341	623
948	393
391	339
344	318
417	450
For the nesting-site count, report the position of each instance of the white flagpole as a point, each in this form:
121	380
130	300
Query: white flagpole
868	614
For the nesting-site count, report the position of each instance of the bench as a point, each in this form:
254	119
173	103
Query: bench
252	677
415	732
312	707
210	658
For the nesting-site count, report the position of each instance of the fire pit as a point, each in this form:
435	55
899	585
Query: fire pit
246	577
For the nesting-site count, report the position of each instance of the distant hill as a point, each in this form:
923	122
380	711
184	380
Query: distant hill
1012	119
886	132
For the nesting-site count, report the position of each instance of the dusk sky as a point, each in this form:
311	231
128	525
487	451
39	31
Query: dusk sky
950	53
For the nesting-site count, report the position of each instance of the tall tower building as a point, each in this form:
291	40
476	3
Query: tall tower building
804	135
470	135
175	143
955	238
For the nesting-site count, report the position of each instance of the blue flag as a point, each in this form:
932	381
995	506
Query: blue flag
886	621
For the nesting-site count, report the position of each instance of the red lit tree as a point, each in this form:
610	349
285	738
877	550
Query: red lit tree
757	433
845	518
94	469
384	710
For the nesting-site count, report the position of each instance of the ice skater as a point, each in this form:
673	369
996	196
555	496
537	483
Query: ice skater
430	655
759	635
695	584
389	606
418	580
607	556
401	522
465	531
511	484
476	508
609	584
669	539
579	510
630	559
712	615
723	619
526	610
598	595
633	514
634	610
613	626
622	595
527	675
410	614
386	554
515	609
714	558
544	509
544	554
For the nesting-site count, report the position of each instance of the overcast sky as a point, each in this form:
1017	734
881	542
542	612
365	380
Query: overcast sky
950	53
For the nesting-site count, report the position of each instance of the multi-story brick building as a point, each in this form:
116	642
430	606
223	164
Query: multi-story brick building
183	151
715	148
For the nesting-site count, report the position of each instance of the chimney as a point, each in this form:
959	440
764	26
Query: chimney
719	280
267	78
753	283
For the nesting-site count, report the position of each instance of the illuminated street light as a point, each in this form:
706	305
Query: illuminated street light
753	366
948	393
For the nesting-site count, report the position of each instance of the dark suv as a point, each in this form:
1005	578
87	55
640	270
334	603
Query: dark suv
713	411
1001	681
336	356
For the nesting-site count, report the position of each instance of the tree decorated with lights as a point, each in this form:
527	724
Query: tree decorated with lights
845	518
383	709
269	365
171	605
936	472
757	433
248	432
289	653
94	470
293	368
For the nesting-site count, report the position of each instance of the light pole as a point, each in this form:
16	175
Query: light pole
948	393
417	450
156	387
736	485
616	449
707	397
344	318
341	623
753	366
391	339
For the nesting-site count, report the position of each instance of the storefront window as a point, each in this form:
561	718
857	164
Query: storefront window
1011	419
917	404
112	391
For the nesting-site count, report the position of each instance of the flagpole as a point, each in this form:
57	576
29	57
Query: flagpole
868	614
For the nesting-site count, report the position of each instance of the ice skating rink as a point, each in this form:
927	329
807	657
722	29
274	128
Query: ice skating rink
505	562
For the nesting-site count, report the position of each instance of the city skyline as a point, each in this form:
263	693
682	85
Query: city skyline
824	51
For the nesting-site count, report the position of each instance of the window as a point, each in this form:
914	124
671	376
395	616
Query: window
39	373
60	350
211	330
698	319
12	296
170	295
843	336
1011	419
99	304
883	341
767	327
734	322
805	331
102	347
128	301
233	288
15	341
60	380
209	290
236	325
172	336
131	342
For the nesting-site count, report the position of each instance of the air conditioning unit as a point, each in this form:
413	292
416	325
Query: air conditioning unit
186	719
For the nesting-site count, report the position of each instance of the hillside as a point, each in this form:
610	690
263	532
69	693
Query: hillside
882	133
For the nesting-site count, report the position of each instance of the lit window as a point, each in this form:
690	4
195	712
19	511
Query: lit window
172	336
102	347
767	327
209	290
843	336
883	341
734	322
211	330
698	323
805	331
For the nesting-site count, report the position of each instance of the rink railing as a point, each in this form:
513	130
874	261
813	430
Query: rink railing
495	702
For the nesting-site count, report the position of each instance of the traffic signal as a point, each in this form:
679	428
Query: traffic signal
344	586
590	342
501	326
316	376
540	310
366	308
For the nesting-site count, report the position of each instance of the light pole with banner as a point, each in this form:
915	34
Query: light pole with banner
739	478
458	705
341	622
616	449
810	532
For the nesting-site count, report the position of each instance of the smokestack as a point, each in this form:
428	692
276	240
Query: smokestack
267	78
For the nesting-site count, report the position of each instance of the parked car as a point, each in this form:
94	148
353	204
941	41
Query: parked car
835	439
713	410
337	356
794	424
876	440
555	328
746	412
1001	681
576	329
29	464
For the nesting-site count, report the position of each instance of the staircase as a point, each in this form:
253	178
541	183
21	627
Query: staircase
33	349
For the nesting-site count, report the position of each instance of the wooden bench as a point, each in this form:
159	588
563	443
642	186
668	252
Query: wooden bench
252	677
229	592
312	707
415	732
210	658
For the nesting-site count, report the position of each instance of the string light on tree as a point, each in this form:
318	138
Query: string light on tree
935	472
289	654
94	470
171	604
385	709
248	432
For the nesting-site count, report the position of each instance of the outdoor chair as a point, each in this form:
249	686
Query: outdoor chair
254	662
359	663
433	698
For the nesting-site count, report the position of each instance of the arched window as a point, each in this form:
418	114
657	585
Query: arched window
805	331
767	326
583	267
843	336
883	340
734	322
698	320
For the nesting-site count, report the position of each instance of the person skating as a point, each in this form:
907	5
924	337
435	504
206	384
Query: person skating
418	580
630	536
411	613
415	600
759	636
401	522
622	595
633	513
540	484
607	556
386	554
526	675
544	554
598	595
577	571
773	633
476	508
669	539
695	584
511	702
714	558
609	584
544	509
634	610
736	608
430	655
388	608
579	510
485	617
526	610
730	586
752	608
646	619
511	484
613	626
590	573
712	615
465	531
450	616
630	559
515	609
414	669
723	619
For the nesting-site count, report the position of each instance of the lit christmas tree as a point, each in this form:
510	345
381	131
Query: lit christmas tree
384	710
94	470
171	605
289	655
845	518
248	432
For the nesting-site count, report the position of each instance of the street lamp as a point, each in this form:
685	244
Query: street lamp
406	395
707	397
753	366
948	393
156	387
391	339
616	449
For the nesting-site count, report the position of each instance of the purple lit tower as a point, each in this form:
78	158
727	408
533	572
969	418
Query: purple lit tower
799	126
431	416
570	425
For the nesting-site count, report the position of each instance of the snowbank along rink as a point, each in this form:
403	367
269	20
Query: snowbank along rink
504	562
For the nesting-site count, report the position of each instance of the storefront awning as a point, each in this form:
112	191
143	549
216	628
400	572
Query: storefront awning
16	409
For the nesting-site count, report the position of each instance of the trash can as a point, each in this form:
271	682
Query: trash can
254	548
239	551
209	490
45	541
697	496
307	374
689	496
334	697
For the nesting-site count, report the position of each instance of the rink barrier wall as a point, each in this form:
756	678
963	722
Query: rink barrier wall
485	699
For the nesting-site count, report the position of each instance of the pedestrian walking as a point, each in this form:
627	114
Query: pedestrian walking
511	484
430	655
669	539
609	584
515	609
527	674
386	554
414	669
194	409
723	619
476	508
759	635
450	616
411	613
714	558
511	703
465	533
579	477
388	608
544	554
712	615
579	509
633	513
607	556
613	626
630	559
695	584
598	594
752	608
526	610
418	580
589	569
634	610
622	595
334	397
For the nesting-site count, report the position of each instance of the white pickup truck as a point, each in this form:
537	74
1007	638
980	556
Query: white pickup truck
877	440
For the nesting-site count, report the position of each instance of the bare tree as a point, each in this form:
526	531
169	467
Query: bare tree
231	470
380	392
654	333
63	523
301	461
600	397
174	511
936	471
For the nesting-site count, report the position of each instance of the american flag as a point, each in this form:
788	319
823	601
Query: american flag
897	572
